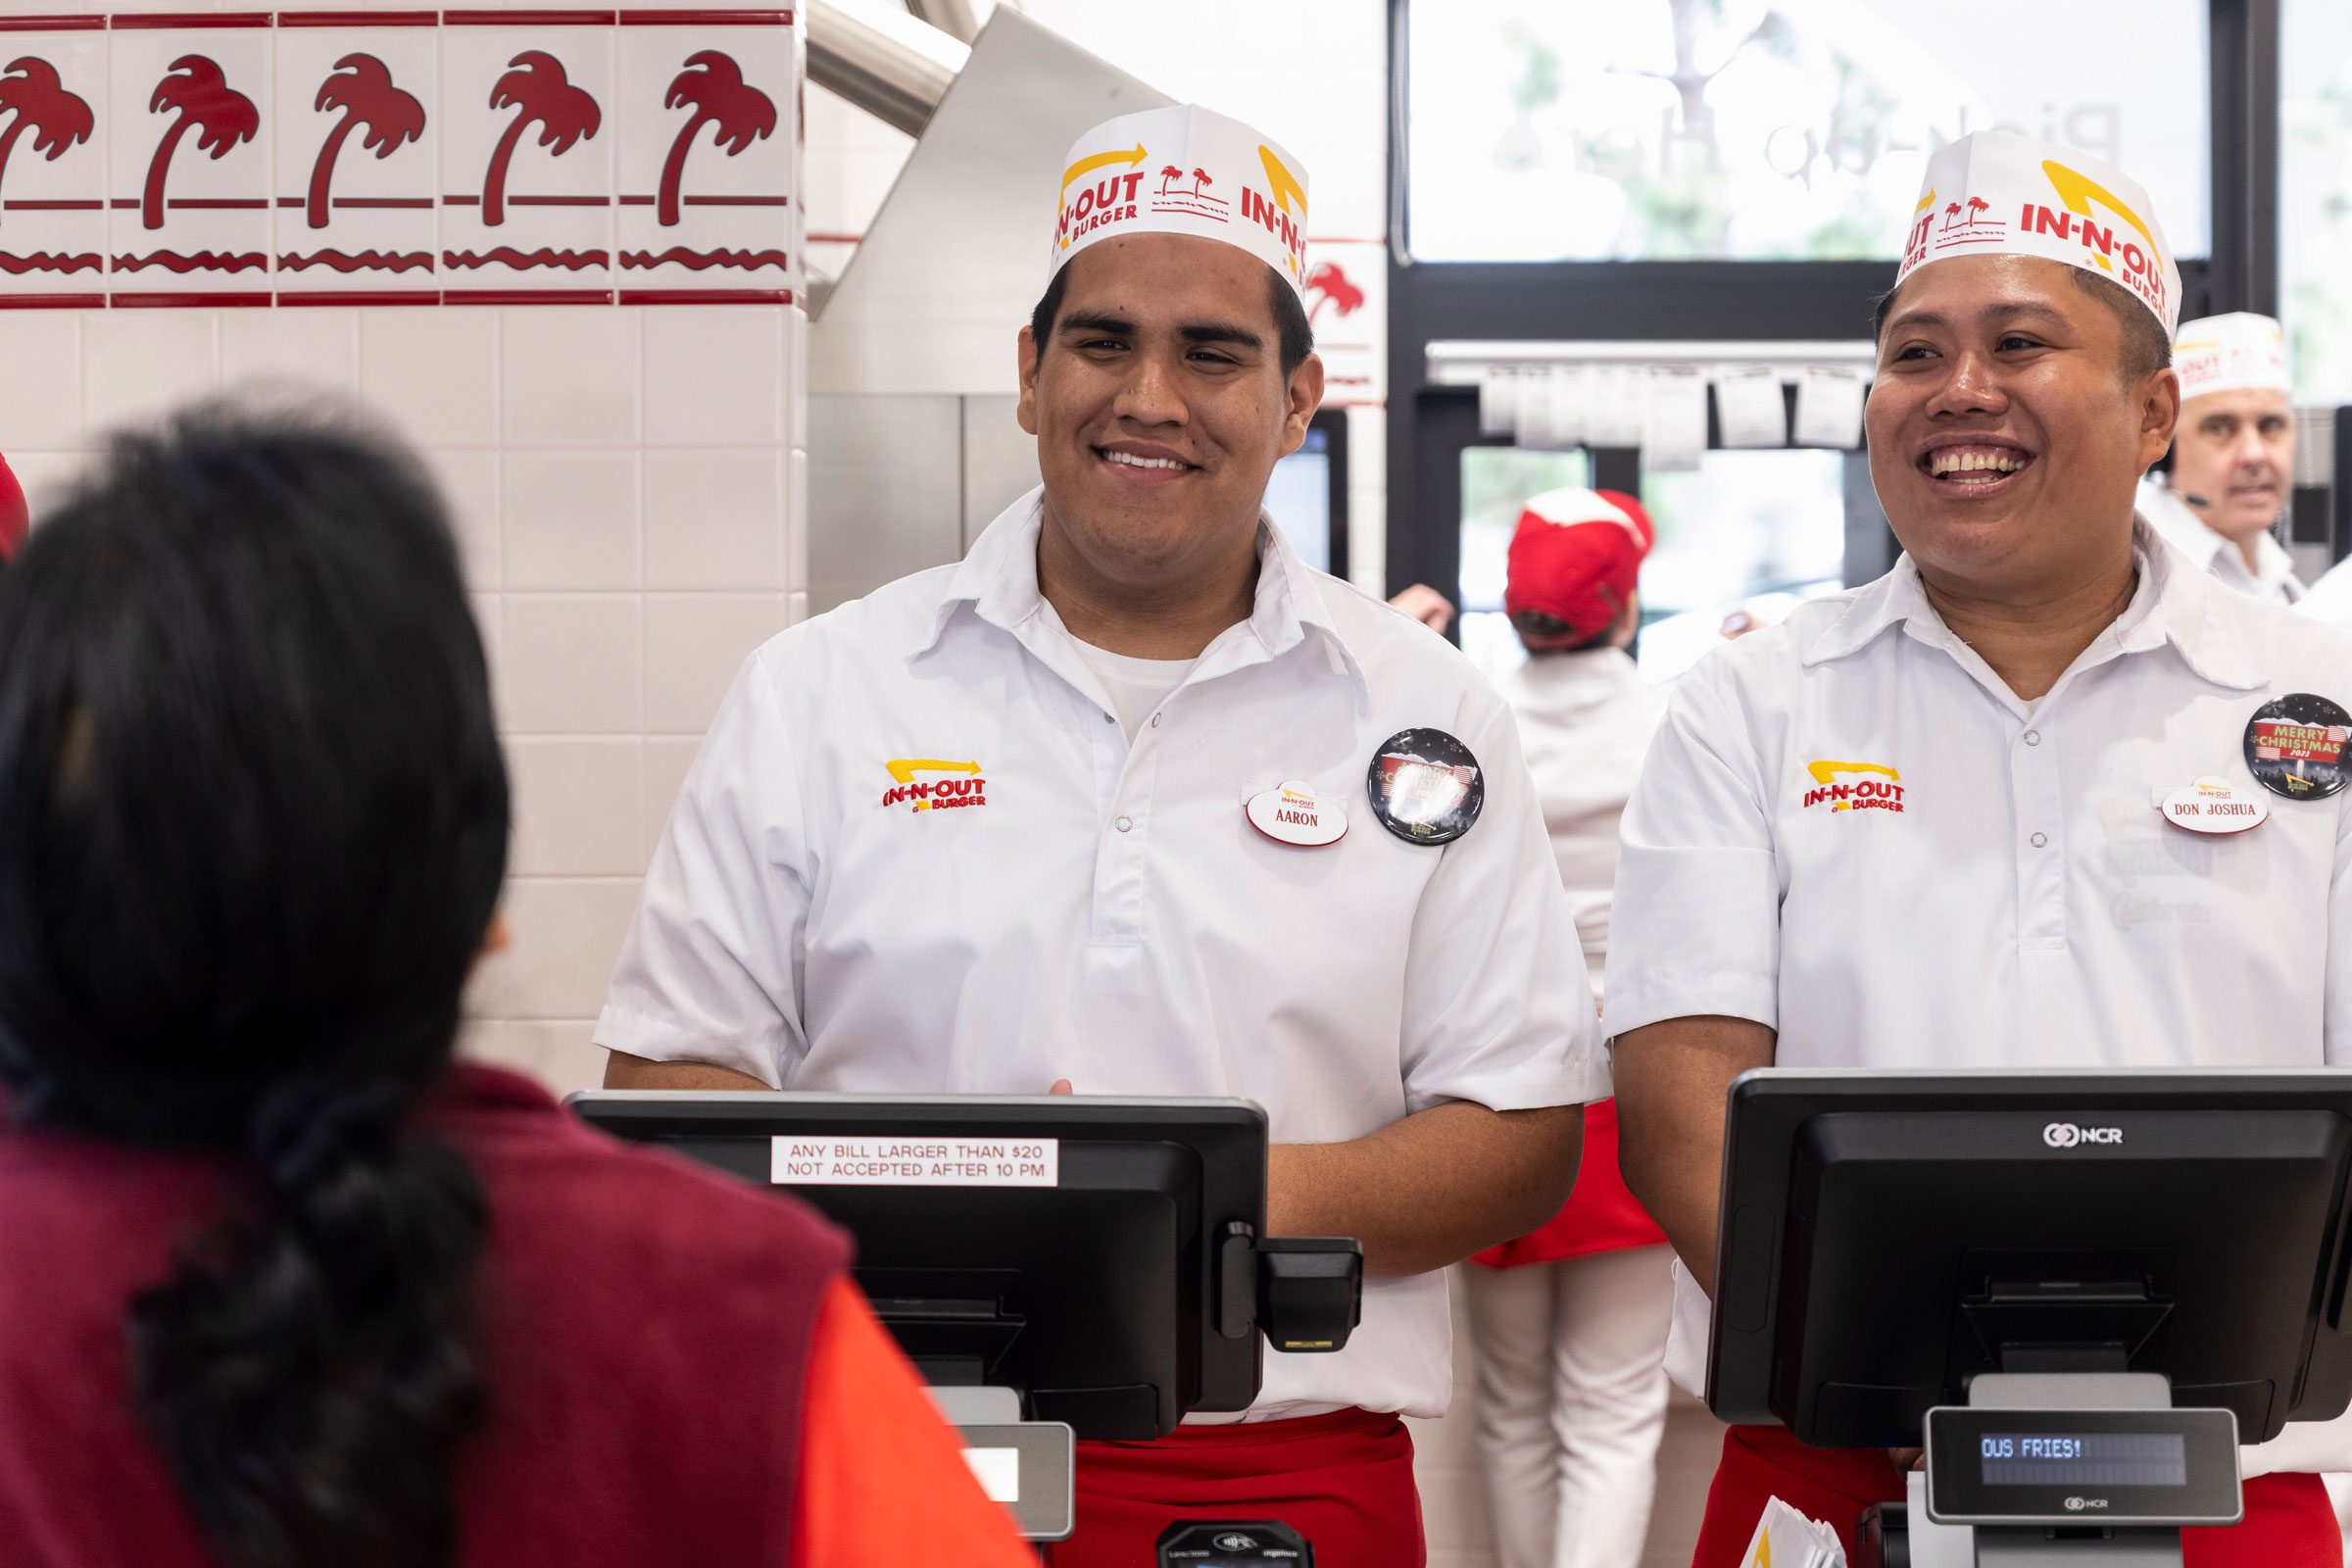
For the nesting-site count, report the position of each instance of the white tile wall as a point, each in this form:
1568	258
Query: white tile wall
574	489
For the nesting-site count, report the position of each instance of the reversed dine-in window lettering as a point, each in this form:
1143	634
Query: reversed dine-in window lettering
2315	196
1777	130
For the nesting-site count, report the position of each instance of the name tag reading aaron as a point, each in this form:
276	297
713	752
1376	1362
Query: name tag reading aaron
915	1162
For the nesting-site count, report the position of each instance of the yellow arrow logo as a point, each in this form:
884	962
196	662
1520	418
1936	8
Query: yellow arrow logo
904	769
1924	202
1283	183
1087	165
2078	192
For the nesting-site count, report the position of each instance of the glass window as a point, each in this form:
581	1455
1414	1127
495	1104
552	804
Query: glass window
1747	534
2315	196
1751	130
1299	499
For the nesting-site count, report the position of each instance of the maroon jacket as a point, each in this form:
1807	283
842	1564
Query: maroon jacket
645	1332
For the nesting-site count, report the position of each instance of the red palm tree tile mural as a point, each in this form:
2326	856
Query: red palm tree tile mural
408	155
709	154
357	174
526	161
188	206
52	168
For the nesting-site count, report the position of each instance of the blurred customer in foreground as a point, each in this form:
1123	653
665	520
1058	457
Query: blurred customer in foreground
14	520
1570	1322
283	1287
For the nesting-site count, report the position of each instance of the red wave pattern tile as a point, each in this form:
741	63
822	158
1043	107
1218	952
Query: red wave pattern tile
49	262
201	262
365	261
700	261
509	256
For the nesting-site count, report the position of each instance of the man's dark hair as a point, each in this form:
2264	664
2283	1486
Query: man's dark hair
1533	626
253	826
1298	339
2145	347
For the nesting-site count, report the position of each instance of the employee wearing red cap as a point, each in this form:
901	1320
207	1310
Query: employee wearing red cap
1570	1322
14	520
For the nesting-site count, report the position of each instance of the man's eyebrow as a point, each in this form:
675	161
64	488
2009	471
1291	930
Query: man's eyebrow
1113	324
2005	310
1096	322
1221	332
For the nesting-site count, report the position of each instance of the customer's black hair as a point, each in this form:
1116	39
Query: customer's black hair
1296	338
2145	347
253	826
1533	626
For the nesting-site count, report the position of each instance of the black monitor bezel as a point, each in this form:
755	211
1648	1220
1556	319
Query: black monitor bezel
1767	1111
1227	1138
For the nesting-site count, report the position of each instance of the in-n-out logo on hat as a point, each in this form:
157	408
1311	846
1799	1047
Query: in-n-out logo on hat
2240	351
1995	193
1575	557
1184	170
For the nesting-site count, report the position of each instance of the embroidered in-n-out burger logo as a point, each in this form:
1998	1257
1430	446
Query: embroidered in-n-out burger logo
945	784
1855	787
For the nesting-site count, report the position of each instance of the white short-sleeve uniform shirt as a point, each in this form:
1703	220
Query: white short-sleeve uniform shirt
918	852
1850	830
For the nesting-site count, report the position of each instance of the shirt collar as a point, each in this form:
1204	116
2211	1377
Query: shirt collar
997	579
2177	603
2273	575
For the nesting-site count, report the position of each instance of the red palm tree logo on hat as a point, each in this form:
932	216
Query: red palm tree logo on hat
565	116
361	87
1201	178
206	104
716	90
55	116
1170	176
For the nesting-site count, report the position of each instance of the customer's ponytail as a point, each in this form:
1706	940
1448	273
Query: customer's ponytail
253	826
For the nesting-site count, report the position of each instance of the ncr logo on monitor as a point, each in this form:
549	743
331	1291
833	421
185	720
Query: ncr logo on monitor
2065	1134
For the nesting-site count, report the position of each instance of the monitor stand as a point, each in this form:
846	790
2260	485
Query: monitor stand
2034	1545
1029	1467
1902	1536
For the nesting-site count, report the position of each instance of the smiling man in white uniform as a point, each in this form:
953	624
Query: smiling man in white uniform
2233	456
1132	798
1960	817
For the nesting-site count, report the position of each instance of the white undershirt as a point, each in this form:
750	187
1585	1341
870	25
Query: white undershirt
1135	686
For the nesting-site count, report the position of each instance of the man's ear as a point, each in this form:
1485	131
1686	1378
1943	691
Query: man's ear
1302	396
2159	413
1026	347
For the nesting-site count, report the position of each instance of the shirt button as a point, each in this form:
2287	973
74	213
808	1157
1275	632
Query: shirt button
1125	823
2039	840
2032	737
1110	718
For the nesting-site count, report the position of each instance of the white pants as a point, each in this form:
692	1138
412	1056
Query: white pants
1571	1400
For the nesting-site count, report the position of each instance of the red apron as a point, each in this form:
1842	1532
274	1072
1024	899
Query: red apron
2288	1524
1602	1216
1343	1480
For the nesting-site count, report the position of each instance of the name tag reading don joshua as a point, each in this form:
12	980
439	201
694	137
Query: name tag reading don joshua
915	1162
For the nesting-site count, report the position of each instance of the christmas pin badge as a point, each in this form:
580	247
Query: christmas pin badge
1425	786
1291	813
2214	805
2295	745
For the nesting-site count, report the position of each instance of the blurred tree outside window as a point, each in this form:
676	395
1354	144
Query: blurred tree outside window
1775	130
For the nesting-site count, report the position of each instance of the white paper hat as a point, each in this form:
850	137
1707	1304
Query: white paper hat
1184	170
1998	194
2240	351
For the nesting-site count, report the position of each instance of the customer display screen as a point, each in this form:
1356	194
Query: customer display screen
2084	1459
1990	1466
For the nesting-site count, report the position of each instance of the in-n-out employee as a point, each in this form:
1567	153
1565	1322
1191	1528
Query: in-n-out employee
1132	798
2121	839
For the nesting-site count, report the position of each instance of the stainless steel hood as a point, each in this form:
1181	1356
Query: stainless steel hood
947	271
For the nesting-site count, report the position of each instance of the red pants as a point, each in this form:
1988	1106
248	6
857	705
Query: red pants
2289	1523
1343	1480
